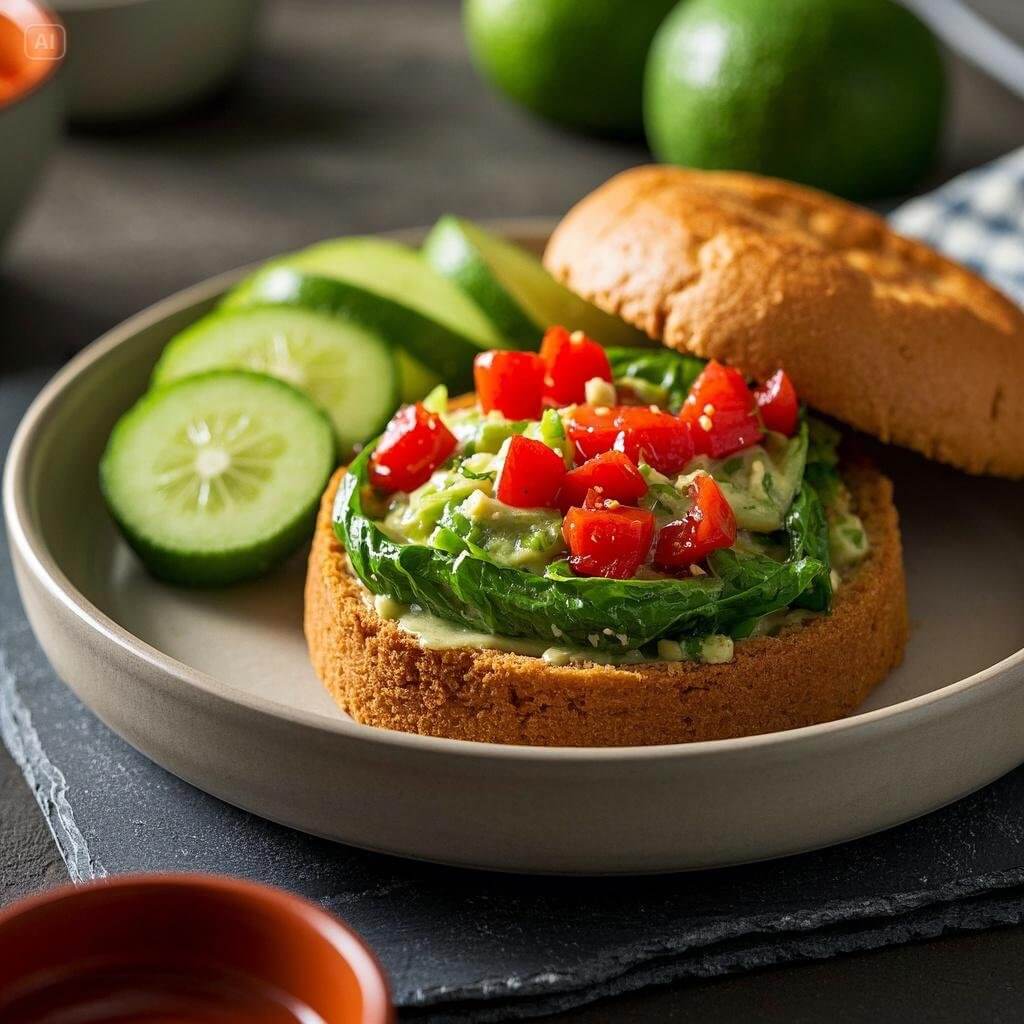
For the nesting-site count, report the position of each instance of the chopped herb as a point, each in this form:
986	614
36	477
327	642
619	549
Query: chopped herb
463	470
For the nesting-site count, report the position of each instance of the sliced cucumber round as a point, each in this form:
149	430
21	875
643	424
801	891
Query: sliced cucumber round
415	379
515	291
215	478
387	268
434	352
347	369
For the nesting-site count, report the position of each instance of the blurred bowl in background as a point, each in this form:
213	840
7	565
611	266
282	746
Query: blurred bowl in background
183	947
31	101
133	59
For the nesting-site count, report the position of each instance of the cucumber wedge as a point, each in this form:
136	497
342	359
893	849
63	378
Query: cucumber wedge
215	478
433	351
390	269
515	291
347	369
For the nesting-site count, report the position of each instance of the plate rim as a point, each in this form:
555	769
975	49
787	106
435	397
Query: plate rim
38	560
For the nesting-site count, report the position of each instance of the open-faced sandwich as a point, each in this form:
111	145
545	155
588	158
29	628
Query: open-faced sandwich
630	546
605	547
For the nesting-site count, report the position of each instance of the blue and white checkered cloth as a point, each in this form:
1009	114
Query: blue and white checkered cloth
977	219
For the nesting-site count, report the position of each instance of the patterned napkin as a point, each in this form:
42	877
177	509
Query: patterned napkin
977	219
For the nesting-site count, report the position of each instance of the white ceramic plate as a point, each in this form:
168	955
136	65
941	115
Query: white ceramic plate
215	686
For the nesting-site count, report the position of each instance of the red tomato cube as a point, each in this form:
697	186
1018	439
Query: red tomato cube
657	438
611	541
571	360
531	475
611	475
511	382
414	444
709	525
721	412
592	430
779	405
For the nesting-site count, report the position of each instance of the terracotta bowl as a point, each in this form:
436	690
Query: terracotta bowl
31	101
187	948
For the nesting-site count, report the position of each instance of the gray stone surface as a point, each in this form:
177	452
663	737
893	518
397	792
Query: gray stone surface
473	946
363	116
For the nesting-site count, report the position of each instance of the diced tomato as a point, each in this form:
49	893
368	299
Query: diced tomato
709	525
414	444
511	382
592	430
776	398
721	412
531	475
729	432
658	438
610	541
571	360
611	475
723	386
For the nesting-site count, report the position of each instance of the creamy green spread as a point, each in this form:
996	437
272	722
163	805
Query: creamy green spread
457	503
433	632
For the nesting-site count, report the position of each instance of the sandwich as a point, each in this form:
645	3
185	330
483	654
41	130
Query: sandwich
623	546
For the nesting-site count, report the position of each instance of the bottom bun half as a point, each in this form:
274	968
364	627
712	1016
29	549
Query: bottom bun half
818	671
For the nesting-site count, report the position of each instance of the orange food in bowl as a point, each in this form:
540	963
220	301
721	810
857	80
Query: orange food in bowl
25	29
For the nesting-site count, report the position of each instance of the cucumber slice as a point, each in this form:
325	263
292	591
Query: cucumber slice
512	287
415	380
348	370
215	478
438	353
387	268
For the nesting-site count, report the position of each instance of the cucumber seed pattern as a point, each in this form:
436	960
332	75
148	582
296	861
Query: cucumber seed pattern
216	462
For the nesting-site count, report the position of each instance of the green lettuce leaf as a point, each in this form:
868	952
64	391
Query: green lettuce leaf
807	529
822	469
670	372
603	613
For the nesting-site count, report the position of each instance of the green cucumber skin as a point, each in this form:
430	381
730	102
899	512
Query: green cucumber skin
448	250
395	271
208	571
211	569
448	354
458	248
163	373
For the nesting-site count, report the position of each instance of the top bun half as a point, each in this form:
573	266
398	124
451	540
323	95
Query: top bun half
877	330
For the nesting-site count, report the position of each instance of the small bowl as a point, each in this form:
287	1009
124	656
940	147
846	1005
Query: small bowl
31	115
183	947
134	59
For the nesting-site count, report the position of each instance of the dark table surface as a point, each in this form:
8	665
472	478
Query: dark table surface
364	116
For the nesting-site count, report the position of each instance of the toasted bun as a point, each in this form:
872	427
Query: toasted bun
380	675
877	330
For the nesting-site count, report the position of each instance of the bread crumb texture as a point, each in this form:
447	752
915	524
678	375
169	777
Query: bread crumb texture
875	329
821	670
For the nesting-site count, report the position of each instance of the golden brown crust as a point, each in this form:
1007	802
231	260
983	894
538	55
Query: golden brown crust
816	672
877	330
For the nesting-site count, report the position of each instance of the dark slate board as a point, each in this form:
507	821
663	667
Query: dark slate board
464	945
